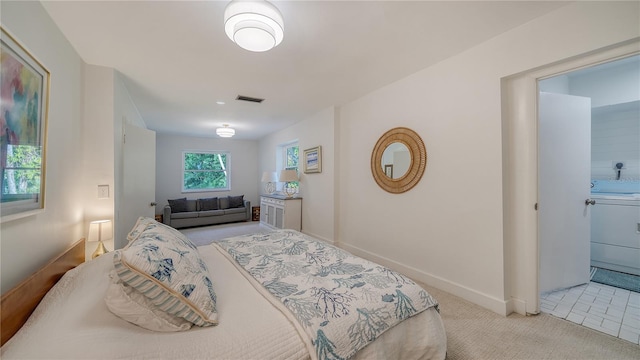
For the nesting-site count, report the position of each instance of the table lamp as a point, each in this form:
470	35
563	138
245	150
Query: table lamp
288	176
269	177
99	231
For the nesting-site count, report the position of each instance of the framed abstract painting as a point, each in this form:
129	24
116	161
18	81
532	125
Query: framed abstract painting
24	95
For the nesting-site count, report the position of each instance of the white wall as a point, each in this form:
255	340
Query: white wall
452	220
88	105
614	91
448	230
28	243
615	129
316	189
608	86
615	137
98	152
124	112
244	167
107	107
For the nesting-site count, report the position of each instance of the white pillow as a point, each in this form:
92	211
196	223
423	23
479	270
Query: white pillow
130	305
164	265
139	227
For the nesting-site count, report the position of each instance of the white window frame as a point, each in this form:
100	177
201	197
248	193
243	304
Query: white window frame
281	162
226	170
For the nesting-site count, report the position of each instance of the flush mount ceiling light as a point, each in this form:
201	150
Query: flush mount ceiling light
225	131
254	25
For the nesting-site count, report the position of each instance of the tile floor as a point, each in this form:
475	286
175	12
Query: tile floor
600	307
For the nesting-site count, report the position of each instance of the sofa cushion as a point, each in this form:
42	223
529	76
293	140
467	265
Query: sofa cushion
212	213
165	266
208	204
223	203
235	210
185	215
192	205
236	201
178	205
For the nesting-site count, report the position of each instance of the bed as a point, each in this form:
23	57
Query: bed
256	314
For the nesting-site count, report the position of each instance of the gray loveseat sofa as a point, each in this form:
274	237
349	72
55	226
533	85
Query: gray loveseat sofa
181	213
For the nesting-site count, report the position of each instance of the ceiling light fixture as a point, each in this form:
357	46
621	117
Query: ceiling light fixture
254	25
225	131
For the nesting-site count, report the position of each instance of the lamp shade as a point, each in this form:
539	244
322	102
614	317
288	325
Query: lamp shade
269	176
100	230
225	131
288	175
254	25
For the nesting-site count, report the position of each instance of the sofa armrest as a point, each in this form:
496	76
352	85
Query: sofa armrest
247	207
166	215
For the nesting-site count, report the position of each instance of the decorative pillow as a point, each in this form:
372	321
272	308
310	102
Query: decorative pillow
236	201
139	227
208	204
165	266
178	205
224	202
135	308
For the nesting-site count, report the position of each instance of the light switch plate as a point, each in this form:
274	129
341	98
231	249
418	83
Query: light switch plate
103	191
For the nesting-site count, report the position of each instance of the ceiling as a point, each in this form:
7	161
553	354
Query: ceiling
178	63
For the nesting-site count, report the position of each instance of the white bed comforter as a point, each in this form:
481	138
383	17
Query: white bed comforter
341	302
73	322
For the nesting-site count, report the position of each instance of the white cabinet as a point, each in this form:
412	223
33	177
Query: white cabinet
281	212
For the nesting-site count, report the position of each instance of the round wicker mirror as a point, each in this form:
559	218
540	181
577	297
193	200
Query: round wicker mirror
382	166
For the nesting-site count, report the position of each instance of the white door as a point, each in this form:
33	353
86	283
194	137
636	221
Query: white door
139	177
564	171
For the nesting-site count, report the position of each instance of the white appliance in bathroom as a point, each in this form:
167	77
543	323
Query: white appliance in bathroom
615	225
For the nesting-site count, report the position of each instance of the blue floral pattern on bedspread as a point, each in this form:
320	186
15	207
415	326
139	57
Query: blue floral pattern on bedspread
343	302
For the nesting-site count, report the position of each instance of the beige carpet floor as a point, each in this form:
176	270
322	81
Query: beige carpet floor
207	234
476	333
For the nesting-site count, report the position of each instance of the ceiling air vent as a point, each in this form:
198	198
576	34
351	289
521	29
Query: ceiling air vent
250	99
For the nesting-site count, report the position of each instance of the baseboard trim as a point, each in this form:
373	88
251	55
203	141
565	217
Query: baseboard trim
498	306
319	237
518	306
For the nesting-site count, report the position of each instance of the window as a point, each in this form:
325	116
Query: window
290	161
205	171
21	174
291	157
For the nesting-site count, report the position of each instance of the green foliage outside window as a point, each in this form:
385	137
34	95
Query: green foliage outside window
292	158
291	163
21	174
205	171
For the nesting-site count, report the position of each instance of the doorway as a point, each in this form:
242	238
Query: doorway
138	179
581	171
612	96
520	173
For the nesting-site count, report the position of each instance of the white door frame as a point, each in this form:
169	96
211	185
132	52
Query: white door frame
520	173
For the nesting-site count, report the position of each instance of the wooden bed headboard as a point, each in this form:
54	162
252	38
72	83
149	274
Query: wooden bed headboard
18	303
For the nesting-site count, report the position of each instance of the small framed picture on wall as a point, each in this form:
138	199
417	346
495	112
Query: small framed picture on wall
313	160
